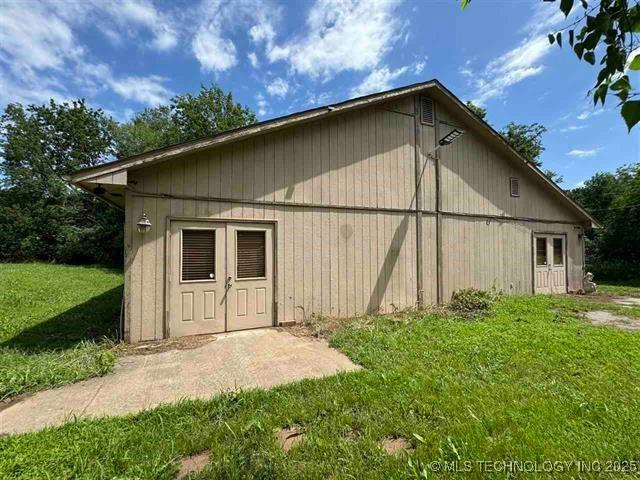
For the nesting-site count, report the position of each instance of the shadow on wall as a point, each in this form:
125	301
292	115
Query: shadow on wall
390	260
92	320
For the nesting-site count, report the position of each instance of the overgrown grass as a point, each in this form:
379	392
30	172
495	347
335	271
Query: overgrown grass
528	381
56	324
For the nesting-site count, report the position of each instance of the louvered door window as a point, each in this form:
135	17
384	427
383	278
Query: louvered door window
198	255
250	254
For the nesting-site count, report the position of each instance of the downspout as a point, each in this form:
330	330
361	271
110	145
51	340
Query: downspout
418	202
436	157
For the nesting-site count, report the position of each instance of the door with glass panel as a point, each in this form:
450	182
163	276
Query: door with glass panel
196	273
249	276
550	271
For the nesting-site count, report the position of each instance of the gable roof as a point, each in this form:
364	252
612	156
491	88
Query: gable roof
436	90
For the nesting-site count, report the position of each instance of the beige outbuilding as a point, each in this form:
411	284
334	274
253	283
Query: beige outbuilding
379	203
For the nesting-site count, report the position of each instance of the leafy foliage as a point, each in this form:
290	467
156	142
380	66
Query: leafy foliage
614	200
477	109
608	28
187	117
526	140
41	217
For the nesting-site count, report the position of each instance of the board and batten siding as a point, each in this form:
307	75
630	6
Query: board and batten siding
496	253
341	191
356	257
330	262
475	179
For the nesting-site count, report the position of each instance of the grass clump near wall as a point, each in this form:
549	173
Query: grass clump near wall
471	301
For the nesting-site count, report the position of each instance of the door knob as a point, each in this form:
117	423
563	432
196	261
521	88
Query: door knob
228	285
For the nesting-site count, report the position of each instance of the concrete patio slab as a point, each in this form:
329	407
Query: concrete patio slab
255	358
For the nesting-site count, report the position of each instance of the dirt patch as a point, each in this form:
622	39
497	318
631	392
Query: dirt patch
193	464
600	317
396	445
158	346
627	301
289	437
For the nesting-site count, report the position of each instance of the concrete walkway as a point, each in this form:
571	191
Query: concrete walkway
254	358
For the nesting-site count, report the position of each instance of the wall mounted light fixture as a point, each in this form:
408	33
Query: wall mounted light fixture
144	225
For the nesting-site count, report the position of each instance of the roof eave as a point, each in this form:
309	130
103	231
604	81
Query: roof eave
229	136
275	124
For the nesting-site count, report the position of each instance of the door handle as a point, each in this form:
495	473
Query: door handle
228	284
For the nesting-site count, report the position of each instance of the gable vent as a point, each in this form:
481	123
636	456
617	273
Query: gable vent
426	110
198	255
515	186
250	254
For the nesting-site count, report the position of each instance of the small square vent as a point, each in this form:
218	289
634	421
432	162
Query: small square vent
426	110
515	186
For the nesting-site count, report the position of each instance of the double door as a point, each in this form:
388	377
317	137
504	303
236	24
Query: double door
220	277
550	266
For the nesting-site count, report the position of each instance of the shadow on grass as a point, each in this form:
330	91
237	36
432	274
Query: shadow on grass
92	320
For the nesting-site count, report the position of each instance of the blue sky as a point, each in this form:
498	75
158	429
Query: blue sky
279	57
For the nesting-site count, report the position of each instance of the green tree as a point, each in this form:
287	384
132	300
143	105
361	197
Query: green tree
187	117
608	30
41	217
613	252
477	109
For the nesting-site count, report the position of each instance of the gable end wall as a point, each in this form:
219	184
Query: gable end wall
342	193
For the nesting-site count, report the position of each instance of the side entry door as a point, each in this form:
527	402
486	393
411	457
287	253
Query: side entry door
197	268
249	276
550	271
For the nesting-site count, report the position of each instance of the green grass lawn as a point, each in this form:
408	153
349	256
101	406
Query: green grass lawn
631	288
530	381
55	324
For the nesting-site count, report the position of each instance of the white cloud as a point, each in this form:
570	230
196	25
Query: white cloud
212	44
278	87
144	13
262	105
572	128
378	80
41	56
341	35
25	93
589	113
147	90
514	66
418	67
579	184
32	38
253	59
583	153
383	78
215	54
318	99
262	31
